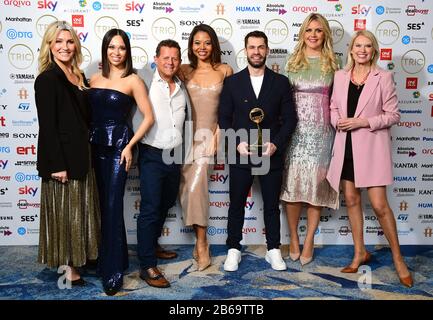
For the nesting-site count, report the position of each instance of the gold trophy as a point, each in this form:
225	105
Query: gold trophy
257	115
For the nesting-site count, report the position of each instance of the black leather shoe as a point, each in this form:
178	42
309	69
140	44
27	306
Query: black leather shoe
113	284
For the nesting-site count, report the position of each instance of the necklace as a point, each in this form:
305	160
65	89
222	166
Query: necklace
359	84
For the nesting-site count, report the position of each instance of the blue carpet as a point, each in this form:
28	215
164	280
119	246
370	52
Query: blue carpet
22	278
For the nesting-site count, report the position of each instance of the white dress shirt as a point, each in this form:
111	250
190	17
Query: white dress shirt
169	113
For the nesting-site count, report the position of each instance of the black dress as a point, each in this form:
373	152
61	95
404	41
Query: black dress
110	132
352	101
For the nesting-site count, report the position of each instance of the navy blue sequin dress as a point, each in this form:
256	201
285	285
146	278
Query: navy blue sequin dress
110	132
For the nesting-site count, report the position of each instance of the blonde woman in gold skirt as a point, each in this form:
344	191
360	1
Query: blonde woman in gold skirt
69	216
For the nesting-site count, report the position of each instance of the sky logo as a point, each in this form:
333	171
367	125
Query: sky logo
380	10
405	40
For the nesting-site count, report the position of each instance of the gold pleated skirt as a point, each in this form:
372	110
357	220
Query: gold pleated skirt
70	222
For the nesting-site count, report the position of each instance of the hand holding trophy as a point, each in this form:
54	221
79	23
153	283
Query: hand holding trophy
256	115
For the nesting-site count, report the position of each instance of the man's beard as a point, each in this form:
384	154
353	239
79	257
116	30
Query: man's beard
257	65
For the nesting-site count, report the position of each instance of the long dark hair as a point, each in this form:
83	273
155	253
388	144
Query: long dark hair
215	57
105	42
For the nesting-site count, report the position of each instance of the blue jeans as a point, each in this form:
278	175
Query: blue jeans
159	187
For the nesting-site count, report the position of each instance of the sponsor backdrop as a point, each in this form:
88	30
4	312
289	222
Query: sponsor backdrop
405	33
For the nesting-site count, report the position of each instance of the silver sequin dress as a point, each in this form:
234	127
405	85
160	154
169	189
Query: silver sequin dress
309	151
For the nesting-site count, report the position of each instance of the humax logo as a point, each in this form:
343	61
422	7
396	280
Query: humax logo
405	40
380	10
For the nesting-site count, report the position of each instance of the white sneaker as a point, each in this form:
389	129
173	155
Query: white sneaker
232	260
274	258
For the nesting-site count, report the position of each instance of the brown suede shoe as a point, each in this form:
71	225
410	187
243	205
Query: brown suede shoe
154	278
164	254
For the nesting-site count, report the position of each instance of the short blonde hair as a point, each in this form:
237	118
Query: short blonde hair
45	56
298	60
373	62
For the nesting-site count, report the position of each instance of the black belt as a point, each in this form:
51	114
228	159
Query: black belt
148	146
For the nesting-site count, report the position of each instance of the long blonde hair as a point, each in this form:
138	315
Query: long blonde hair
298	60
369	35
46	60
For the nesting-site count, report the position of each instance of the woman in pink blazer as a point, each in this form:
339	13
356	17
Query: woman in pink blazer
363	108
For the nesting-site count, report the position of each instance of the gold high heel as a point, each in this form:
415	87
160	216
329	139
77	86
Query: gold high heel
203	261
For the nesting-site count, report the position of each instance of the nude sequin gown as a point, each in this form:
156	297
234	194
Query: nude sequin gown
194	191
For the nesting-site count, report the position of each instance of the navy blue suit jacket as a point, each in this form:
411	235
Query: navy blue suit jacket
237	99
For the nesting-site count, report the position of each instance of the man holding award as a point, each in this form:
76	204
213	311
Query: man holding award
257	114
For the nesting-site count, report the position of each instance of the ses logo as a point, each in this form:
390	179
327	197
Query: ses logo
47	5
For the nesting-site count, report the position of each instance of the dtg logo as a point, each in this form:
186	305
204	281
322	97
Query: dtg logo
47	5
134	7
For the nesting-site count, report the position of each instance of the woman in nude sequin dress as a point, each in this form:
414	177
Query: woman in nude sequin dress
310	70
204	78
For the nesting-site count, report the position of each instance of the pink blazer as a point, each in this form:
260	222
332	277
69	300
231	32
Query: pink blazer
371	146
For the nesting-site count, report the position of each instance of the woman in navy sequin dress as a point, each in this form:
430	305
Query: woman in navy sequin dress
113	94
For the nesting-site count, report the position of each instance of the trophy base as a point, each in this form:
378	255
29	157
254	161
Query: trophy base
256	149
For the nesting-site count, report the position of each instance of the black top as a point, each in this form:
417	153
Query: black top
352	102
63	125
